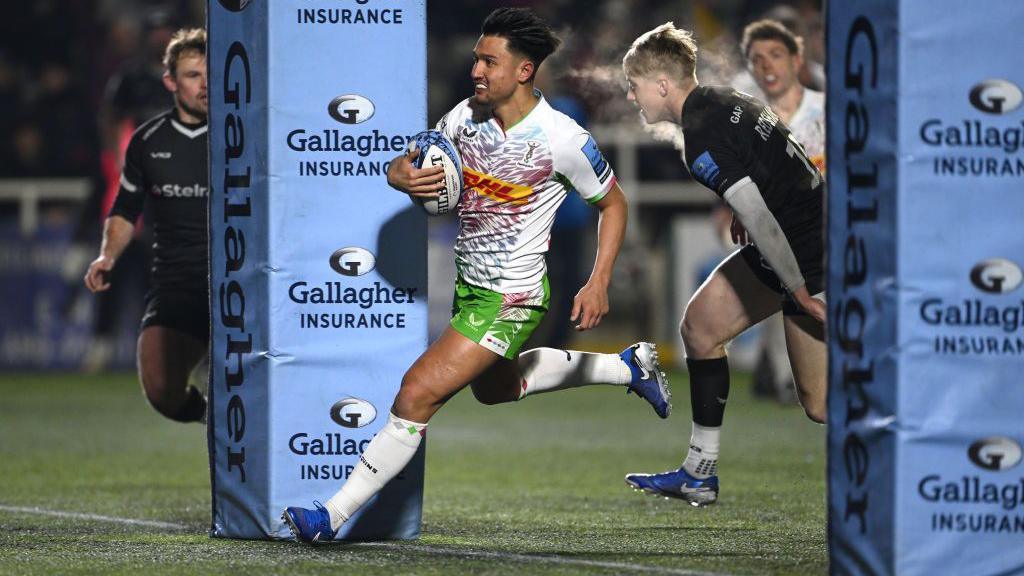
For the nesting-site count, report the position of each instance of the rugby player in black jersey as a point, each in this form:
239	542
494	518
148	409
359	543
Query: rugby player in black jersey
737	147
165	167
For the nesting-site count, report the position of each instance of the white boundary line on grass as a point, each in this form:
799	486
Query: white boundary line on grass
437	550
92	517
534	559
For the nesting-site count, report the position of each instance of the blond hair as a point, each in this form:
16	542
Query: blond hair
184	41
665	49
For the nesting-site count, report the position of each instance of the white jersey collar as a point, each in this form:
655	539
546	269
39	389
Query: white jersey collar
190	132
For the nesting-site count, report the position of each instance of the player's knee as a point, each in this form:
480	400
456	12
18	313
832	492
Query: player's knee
686	325
408	401
490	396
405	406
814	400
154	384
486	398
162	406
695	334
816	414
158	394
413	398
816	411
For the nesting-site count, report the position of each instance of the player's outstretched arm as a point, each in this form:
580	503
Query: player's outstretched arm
117	233
420	182
591	302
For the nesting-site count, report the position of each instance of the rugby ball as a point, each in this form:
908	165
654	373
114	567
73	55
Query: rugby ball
437	150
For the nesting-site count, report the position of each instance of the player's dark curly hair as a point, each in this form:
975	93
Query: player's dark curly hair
770	30
525	32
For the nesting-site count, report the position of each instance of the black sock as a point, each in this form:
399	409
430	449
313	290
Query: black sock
194	409
709	389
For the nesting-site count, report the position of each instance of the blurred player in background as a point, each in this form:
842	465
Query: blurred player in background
737	147
166	166
774	56
134	93
509	138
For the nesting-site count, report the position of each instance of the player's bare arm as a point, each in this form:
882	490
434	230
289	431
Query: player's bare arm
591	302
418	182
117	234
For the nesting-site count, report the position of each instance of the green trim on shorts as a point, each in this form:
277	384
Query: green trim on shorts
483	316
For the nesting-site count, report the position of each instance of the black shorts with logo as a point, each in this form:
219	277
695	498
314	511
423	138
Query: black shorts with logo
184	311
809	256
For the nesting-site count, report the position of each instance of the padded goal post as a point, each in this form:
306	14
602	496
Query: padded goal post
318	268
926	304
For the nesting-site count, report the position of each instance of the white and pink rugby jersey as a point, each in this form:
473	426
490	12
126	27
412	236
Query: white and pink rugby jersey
808	126
515	179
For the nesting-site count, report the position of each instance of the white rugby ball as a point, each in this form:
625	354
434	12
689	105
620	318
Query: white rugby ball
437	150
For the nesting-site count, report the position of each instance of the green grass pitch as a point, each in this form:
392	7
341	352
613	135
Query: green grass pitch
530	488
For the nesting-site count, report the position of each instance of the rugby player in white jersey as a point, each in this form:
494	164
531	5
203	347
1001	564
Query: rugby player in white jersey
736	146
521	158
775	56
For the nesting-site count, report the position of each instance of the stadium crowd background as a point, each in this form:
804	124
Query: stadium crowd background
77	75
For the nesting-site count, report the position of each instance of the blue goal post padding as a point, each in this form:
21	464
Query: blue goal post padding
926	304
317	268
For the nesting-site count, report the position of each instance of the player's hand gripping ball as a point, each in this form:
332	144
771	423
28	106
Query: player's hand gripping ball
437	150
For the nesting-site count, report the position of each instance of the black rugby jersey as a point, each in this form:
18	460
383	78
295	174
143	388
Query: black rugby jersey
729	136
165	167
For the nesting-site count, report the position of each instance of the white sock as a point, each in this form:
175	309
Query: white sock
702	459
548	369
386	455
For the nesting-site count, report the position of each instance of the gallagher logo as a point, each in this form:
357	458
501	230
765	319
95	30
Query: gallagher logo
996	276
353	413
352	261
995	453
351	109
996	96
234	5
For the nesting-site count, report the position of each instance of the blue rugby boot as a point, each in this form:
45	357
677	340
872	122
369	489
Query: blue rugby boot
309	525
677	484
649	381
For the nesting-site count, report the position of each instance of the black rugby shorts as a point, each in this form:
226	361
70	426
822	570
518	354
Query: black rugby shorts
809	254
184	311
